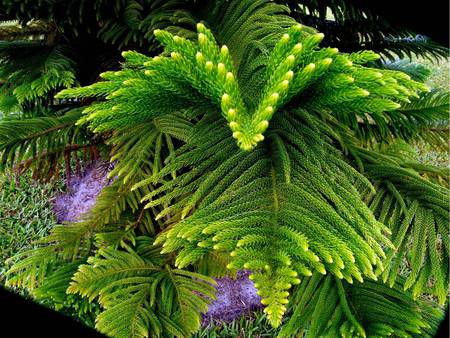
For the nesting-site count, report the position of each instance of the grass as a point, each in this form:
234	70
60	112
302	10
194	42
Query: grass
440	73
250	326
25	215
439	78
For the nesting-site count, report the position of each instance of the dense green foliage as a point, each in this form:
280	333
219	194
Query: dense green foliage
349	28
244	144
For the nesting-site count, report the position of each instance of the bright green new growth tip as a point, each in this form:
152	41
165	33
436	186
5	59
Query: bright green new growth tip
296	65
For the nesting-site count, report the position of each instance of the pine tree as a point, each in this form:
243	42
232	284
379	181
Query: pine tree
246	144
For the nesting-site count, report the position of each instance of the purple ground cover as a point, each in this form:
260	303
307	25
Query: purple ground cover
234	297
82	192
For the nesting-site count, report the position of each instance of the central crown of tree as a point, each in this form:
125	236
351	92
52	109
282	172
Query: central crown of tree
339	82
293	65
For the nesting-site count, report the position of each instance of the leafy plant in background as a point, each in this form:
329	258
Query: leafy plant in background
351	28
247	145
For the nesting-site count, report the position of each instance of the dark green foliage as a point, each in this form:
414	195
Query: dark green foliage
416	210
40	142
417	118
30	72
330	307
121	23
53	293
351	28
273	154
417	71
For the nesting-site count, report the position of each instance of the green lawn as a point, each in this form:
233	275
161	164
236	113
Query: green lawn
440	76
251	326
25	215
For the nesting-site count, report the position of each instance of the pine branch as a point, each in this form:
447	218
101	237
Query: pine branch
289	213
31	71
203	72
141	299
329	307
351	28
40	143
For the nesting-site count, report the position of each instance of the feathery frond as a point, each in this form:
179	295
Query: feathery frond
288	211
141	299
41	143
416	210
30	71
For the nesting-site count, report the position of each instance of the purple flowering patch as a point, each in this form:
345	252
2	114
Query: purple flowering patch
234	298
82	193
